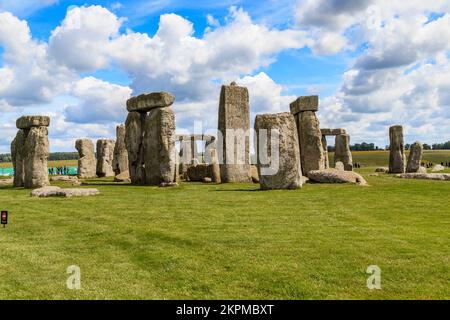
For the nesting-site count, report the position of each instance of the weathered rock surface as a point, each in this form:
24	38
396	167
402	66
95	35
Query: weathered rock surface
332	132
123	177
36	155
147	102
339	166
69	179
382	169
4	182
415	157
326	161
336	176
234	124
284	171
438	168
254	174
422	170
134	135
397	150
18	158
27	122
159	147
87	164
214	167
425	176
311	149
309	103
120	159
105	155
51	191
199	172
342	152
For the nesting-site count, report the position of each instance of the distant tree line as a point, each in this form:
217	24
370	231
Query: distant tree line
53	156
364	146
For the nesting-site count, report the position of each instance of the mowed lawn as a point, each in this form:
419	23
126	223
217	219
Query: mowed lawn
230	241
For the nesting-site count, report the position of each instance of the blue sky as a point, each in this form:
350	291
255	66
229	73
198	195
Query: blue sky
373	63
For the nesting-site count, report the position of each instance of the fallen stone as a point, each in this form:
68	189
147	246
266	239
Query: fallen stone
373	175
438	168
422	170
339	166
425	176
123	177
147	102
382	169
310	103
336	176
168	184
69	179
52	191
207	180
199	172
4	182
27	122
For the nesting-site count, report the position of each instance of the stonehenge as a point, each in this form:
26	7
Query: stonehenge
342	151
396	150
105	154
336	176
342	148
234	126
309	133
282	170
415	157
150	139
30	151
189	154
87	167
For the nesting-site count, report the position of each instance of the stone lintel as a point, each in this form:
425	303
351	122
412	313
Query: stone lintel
332	132
146	102
27	122
309	103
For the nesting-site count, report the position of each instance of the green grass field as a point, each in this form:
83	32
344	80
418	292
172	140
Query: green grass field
231	241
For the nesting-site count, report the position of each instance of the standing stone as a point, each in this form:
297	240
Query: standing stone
415	157
159	147
285	172
326	161
397	150
120	160
342	151
86	161
134	135
309	133
234	125
215	167
105	154
36	156
311	149
18	158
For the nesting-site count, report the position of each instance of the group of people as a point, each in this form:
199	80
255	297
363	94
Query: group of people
64	170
